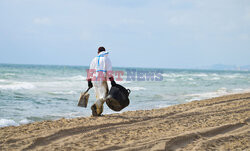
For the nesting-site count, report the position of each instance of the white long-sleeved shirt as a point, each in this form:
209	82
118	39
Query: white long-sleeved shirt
101	63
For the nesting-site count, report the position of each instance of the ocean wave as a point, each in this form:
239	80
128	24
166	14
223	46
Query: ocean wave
239	90
25	121
172	75
203	76
185	75
63	92
60	85
78	78
6	122
200	96
9	74
2	80
232	76
136	88
123	82
9	122
175	75
162	105
214	78
200	75
164	96
72	78
68	115
17	86
170	80
220	92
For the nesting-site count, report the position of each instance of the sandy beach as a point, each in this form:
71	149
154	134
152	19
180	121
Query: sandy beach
214	124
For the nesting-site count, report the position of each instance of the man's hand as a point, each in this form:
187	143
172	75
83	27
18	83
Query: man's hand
90	83
113	83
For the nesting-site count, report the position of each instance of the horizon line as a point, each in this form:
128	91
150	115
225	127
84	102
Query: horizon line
166	68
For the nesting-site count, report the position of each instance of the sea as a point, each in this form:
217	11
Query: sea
30	93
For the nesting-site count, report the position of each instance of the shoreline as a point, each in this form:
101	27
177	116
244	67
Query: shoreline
216	123
26	121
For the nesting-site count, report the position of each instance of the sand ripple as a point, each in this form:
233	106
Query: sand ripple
215	124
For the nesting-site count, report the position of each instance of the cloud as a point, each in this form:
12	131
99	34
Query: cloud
42	21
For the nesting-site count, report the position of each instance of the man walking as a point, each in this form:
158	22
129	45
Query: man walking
102	66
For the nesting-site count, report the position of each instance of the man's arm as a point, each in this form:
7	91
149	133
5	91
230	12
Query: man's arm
109	71
89	78
108	65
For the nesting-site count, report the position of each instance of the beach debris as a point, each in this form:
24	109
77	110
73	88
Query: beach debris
83	100
118	97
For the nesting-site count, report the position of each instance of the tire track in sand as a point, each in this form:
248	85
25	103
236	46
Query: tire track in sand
168	143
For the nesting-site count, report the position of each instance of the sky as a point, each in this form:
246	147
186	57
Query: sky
138	33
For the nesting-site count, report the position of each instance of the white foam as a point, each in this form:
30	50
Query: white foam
170	80
233	76
9	74
214	74
78	78
200	75
162	105
64	92
215	78
165	75
68	114
123	82
25	121
172	75
206	95
6	122
239	90
220	92
17	86
136	88
59	87
2	80
73	78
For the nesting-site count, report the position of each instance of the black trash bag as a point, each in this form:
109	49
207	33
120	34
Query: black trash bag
118	97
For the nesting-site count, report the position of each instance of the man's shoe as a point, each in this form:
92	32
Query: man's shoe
93	108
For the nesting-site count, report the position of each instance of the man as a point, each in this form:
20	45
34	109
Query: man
102	67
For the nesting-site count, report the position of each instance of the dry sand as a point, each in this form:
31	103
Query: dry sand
215	124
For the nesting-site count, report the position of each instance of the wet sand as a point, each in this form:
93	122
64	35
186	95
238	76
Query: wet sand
214	124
